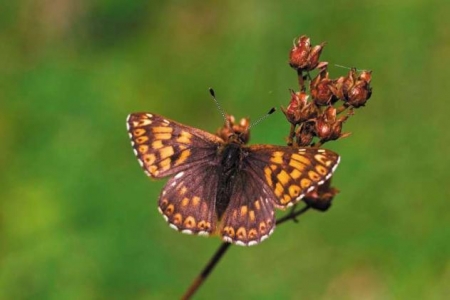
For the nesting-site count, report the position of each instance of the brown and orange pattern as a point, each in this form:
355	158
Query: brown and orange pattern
223	186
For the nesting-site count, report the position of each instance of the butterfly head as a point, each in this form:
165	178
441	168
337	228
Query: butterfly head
233	132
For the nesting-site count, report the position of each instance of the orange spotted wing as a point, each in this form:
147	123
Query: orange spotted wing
271	176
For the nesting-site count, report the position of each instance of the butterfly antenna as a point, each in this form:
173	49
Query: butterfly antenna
271	111
348	68
213	95
341	66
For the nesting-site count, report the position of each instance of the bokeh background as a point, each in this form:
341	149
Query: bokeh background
78	217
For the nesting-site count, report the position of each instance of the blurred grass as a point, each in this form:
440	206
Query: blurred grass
78	219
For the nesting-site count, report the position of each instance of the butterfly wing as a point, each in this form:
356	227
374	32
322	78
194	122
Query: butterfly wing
271	176
164	147
187	202
249	218
290	173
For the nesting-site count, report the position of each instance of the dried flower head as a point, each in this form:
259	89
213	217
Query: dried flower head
303	57
321	197
353	89
231	128
305	134
329	127
320	89
299	109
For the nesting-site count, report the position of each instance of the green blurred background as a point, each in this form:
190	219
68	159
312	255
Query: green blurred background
78	217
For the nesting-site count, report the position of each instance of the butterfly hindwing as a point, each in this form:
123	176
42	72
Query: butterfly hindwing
290	173
187	201
249	218
165	147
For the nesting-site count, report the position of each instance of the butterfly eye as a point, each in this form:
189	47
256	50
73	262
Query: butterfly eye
244	137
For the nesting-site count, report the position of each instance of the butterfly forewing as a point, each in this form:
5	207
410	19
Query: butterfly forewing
188	200
164	147
289	172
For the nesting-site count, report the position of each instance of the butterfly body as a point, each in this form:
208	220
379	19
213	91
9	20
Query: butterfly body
230	164
222	186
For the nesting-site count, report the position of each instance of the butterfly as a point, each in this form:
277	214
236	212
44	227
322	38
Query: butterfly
220	185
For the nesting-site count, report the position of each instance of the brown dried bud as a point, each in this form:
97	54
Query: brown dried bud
321	197
365	76
314	57
359	94
336	88
299	109
341	85
352	89
329	128
305	134
320	89
302	57
323	127
296	105
230	128
361	91
299	55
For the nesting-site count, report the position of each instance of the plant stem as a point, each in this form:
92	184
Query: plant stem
208	268
200	279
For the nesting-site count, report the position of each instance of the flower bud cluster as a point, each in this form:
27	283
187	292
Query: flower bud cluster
317	116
